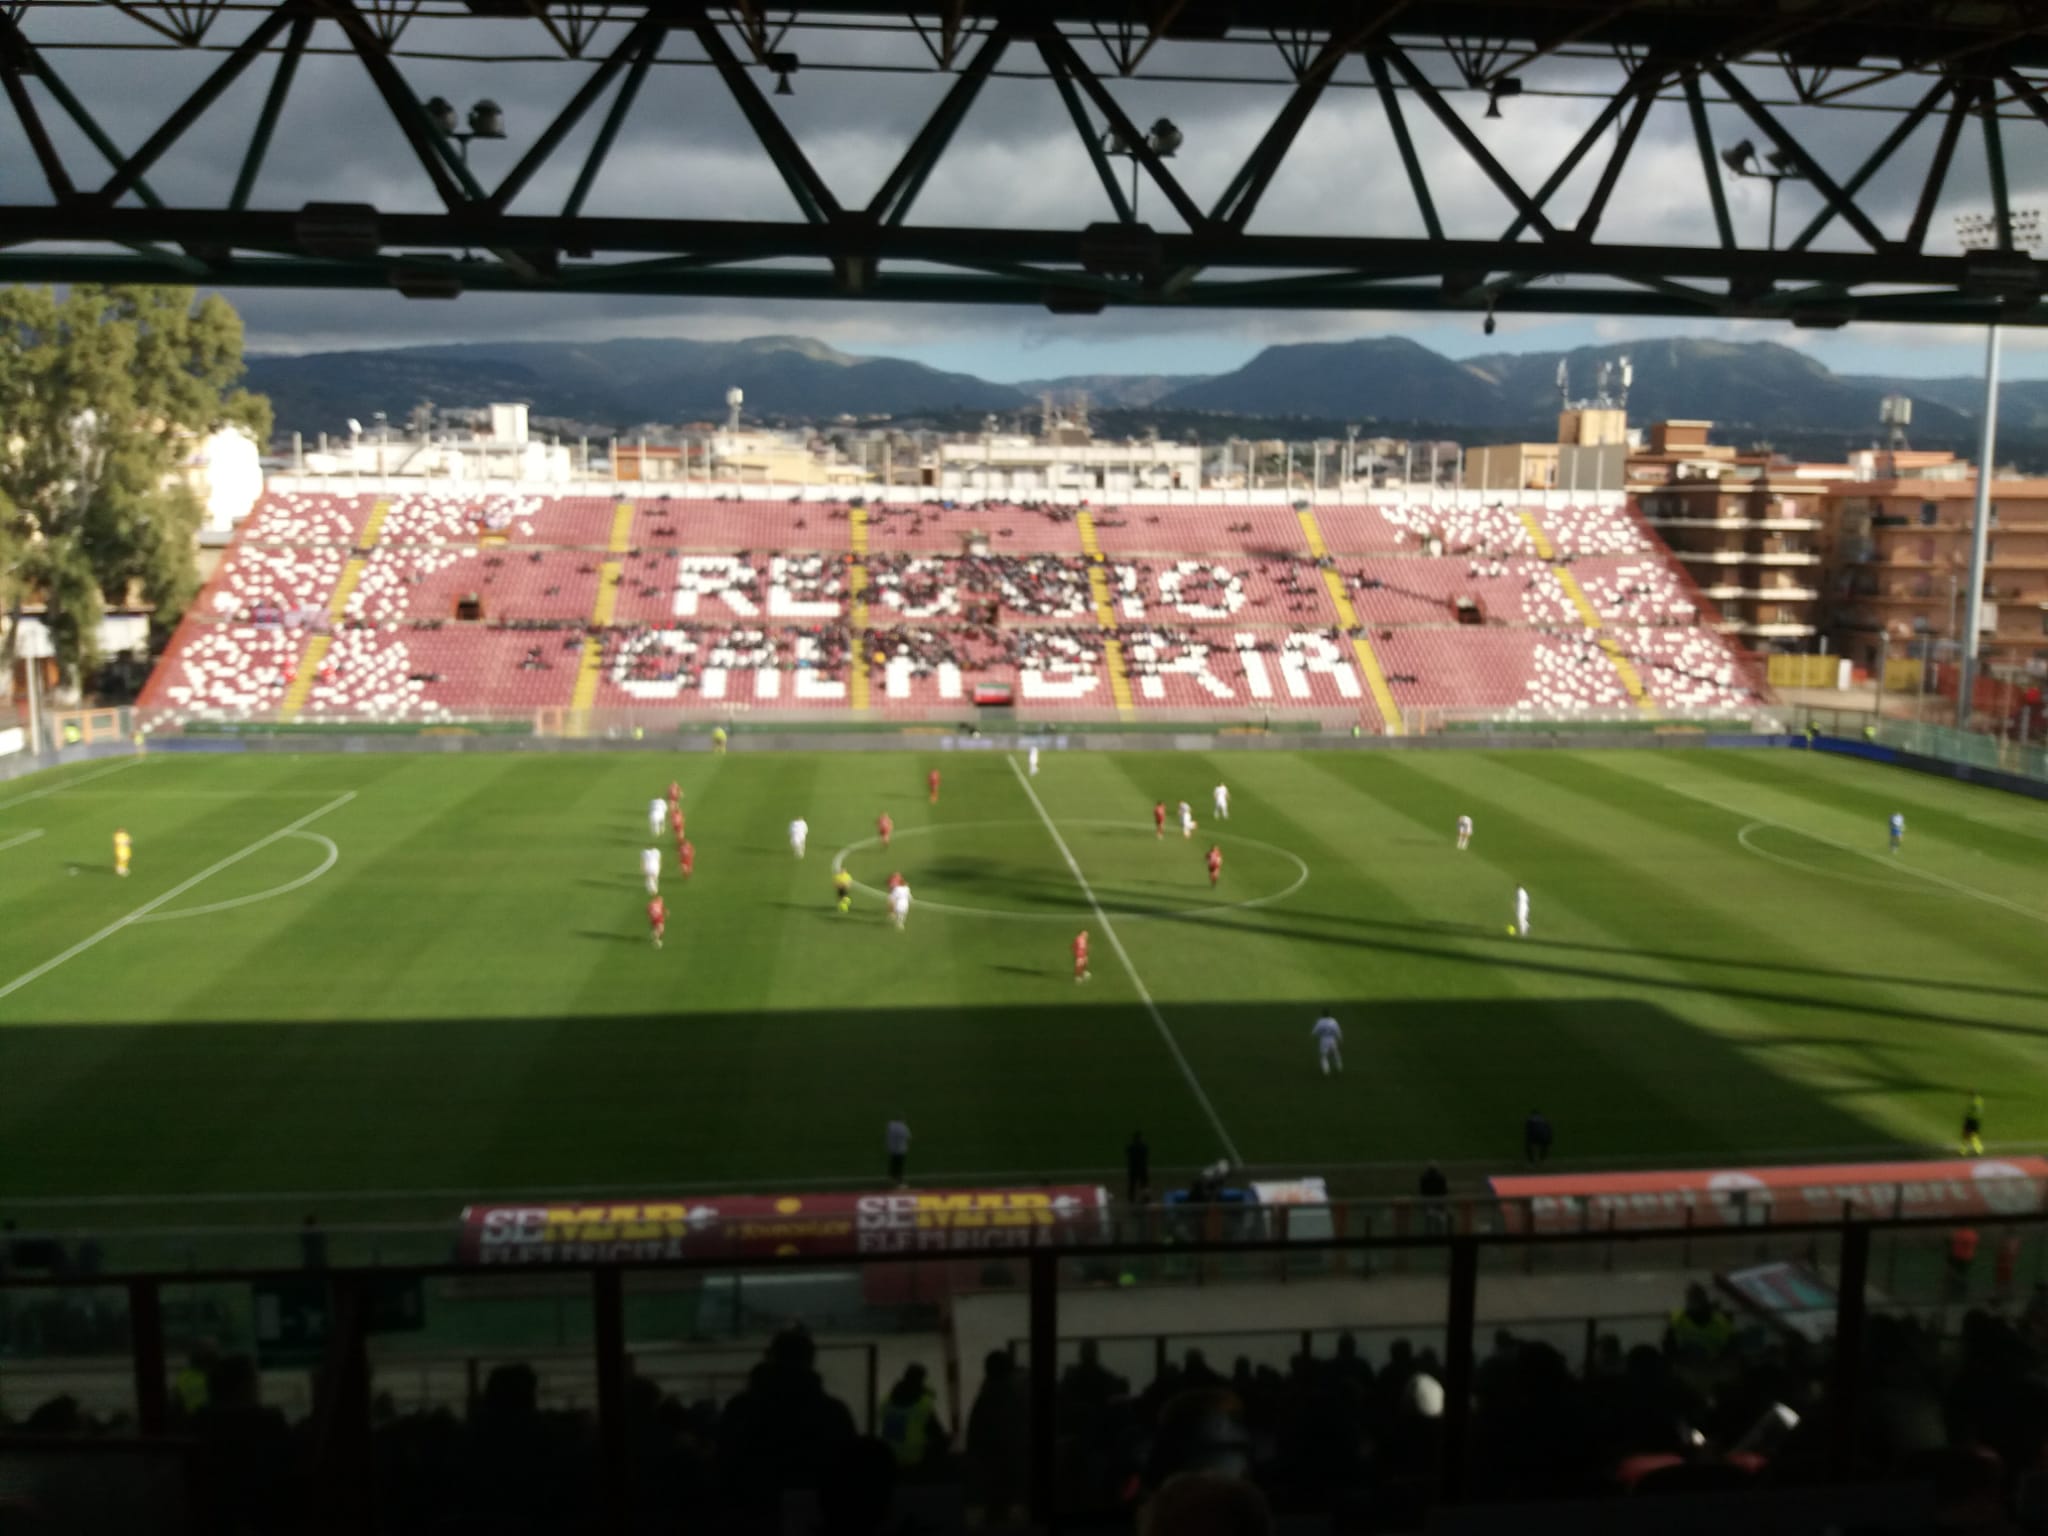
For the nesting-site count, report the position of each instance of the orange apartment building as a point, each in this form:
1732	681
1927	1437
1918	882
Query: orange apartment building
1902	561
1752	531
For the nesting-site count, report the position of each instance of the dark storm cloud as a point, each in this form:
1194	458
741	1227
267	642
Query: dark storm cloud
1016	162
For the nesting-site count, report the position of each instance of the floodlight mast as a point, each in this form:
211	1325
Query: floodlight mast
2010	232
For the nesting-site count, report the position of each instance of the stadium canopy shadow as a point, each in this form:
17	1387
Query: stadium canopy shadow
1675	957
409	1119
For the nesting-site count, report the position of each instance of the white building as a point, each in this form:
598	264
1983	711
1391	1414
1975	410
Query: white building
997	464
506	450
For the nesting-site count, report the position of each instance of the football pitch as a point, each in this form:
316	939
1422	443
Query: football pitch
384	984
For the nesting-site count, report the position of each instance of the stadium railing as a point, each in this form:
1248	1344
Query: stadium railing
1429	720
1971	749
597	1334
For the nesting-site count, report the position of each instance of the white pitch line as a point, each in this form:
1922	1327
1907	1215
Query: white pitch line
1884	860
172	894
16	842
1117	944
333	858
70	784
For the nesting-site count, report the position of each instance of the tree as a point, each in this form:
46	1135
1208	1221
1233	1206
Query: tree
103	394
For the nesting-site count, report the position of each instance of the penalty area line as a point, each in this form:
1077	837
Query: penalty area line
171	895
1187	1071
16	842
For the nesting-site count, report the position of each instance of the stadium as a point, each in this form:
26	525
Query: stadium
614	999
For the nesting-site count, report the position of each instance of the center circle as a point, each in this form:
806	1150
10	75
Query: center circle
1132	871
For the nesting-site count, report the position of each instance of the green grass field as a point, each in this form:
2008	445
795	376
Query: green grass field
1725	962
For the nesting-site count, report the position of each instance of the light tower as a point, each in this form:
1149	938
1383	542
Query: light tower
734	399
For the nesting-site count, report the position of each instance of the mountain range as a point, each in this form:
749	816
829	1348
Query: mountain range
1748	389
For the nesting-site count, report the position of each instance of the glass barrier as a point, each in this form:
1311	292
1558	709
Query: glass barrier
68	1368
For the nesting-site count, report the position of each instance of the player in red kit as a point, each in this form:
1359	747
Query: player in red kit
931	781
1159	819
1081	955
884	826
1215	864
657	919
686	857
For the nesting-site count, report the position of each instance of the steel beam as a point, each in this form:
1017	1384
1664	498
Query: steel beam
428	147
273	104
1587	140
891	204
1596	206
1352	292
1084	126
1878	157
73	107
1055	46
1418	183
130	171
1937	168
622	107
1468	141
1710	163
476	225
647	30
54	173
1823	183
802	179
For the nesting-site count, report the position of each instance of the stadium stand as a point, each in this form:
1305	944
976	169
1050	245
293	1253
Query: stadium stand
436	606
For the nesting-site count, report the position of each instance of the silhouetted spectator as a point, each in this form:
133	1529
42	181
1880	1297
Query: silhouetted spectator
781	1432
1137	1169
1537	1136
312	1245
998	1440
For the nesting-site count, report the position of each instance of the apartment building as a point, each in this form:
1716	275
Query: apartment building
1751	530
1902	559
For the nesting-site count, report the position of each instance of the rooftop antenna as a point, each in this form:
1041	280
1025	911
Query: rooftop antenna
1564	382
1628	377
1895	413
1606	373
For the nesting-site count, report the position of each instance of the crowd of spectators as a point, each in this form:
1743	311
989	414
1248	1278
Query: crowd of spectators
1715	1405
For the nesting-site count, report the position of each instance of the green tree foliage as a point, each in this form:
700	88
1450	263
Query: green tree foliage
104	392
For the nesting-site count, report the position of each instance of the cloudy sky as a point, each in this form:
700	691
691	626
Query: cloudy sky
1016	163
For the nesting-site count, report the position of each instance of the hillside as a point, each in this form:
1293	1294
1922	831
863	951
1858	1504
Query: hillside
616	383
1382	378
1751	390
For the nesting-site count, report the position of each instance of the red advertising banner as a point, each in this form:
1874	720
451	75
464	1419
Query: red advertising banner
934	1221
1738	1197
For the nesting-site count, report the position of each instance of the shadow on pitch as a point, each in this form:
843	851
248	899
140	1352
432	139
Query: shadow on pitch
1525	955
615	938
1674	957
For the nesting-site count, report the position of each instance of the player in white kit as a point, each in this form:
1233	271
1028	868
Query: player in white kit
899	904
1464	831
1031	758
1521	928
1221	798
799	833
650	869
1187	820
1329	1038
657	817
